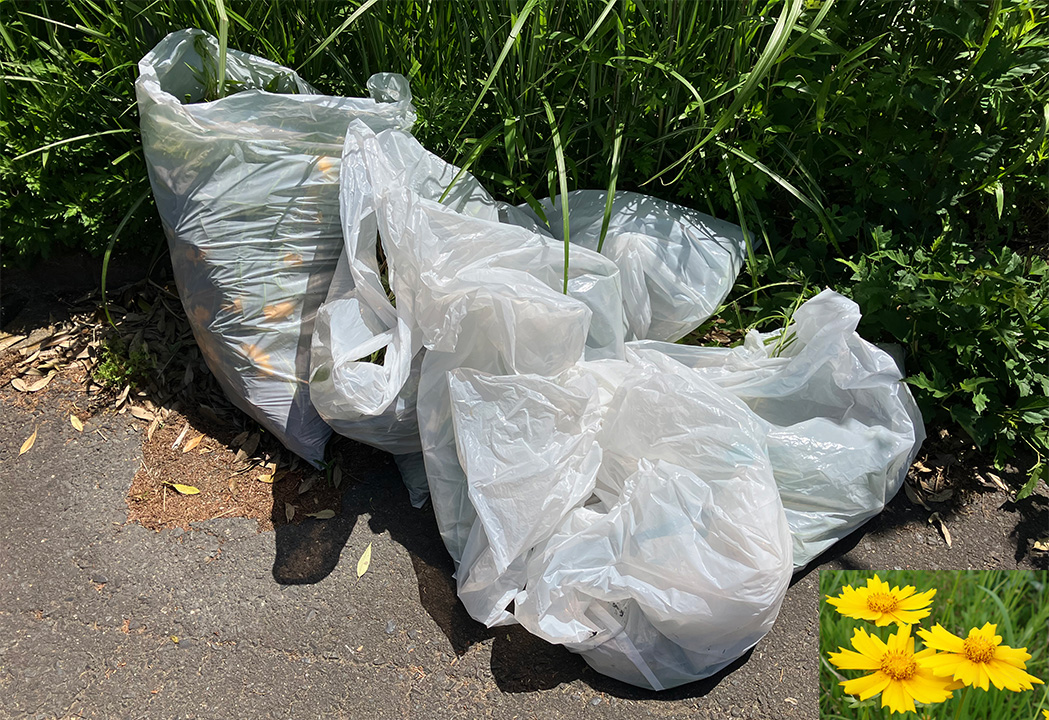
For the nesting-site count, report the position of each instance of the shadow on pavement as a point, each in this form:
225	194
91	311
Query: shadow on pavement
520	662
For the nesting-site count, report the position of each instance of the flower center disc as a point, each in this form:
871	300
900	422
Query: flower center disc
898	665
978	649
881	602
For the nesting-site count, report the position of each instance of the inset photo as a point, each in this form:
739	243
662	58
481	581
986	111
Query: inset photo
931	644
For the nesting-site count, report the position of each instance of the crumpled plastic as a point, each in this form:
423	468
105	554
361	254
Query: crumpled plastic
247	190
529	470
841	426
640	502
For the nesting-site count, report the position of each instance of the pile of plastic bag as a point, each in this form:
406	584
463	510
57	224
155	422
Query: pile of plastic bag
641	502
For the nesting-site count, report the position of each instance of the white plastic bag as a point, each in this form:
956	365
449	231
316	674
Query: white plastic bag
842	426
518	383
247	189
628	510
676	264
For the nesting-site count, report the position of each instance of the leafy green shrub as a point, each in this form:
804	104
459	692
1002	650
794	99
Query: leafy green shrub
977	327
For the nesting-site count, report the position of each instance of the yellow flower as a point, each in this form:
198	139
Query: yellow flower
878	604
1046	713
898	673
978	659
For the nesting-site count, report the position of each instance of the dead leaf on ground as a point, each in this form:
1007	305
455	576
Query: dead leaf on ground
322	514
192	443
122	397
239	439
935	517
998	482
289	511
365	561
336	477
181	437
19	384
272	477
10	340
184	489
28	444
1041	545
142	414
152	429
306	485
913	496
75	422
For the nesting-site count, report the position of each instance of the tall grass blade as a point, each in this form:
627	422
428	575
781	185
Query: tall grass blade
612	180
514	32
562	178
220	8
339	30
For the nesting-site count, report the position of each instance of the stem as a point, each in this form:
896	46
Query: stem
961	702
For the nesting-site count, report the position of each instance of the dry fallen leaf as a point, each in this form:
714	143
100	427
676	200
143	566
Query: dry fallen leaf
152	429
998	482
306	485
75	422
122	397
365	561
28	444
913	496
1041	545
142	414
184	489
10	340
322	514
239	440
192	443
272	476
935	517
19	384
289	511
41	384
336	477
181	436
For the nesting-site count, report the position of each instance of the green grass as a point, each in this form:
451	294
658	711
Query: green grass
1016	601
896	151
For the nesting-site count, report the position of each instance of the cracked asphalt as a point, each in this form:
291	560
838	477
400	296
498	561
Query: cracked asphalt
101	618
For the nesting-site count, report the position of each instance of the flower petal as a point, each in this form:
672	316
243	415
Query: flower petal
866	686
870	645
1007	677
917	602
849	660
896	698
1017	657
940	639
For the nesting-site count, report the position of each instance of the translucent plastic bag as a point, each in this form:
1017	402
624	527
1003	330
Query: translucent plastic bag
637	522
842	427
247	189
518	383
676	264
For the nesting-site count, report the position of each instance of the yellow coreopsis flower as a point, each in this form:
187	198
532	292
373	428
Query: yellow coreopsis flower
878	604
897	672
979	659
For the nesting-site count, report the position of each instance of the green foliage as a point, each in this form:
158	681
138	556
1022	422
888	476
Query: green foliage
120	364
1016	601
895	150
977	327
